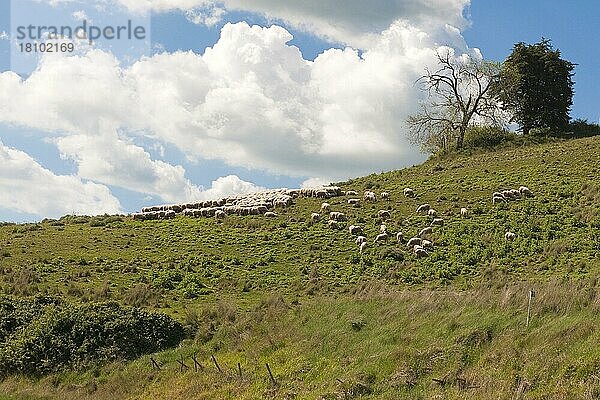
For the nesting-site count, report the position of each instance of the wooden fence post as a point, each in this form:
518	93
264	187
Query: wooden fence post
273	381
196	363
216	364
155	365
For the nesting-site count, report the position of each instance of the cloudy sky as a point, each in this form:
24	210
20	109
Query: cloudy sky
230	96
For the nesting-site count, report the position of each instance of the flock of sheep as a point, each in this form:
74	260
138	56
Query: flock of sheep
510	195
419	244
265	203
259	203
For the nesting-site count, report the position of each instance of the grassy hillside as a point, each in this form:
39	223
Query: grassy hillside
333	323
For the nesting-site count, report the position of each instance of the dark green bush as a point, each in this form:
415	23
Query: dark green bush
42	335
582	128
487	137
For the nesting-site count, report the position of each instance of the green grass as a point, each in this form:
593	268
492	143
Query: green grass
331	322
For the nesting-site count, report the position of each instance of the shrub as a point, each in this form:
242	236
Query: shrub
44	335
486	137
582	128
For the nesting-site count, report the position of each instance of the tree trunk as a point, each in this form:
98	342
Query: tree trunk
526	130
460	139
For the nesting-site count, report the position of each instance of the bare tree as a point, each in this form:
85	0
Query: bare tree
457	97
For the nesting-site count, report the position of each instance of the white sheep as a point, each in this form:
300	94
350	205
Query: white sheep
432	212
399	237
315	217
355	230
337	216
360	240
427	244
420	252
270	214
423	208
384	214
426	231
510	236
219	214
507	194
408	192
464	212
385	195
437	221
333	224
381	237
524	190
354	202
369	196
498	199
383	228
413	241
363	245
351	193
325	207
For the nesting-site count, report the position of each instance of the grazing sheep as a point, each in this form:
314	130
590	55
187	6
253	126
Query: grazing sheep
322	194
384	214
325	207
369	196
383	228
408	192
507	194
524	190
354	202
420	252
423	208
498	199
385	195
351	193
355	230
333	224
170	214
219	214
138	216
464	212
510	236
360	240
425	231
337	216
315	217
381	237
515	193
270	214
399	237
432	212
437	221
427	244
362	246
414	241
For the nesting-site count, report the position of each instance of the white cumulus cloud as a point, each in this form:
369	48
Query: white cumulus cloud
353	22
108	159
228	186
250	100
27	187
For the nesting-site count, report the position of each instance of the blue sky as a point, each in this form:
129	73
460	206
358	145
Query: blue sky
160	126
571	25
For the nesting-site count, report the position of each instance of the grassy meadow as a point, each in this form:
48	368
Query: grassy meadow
330	322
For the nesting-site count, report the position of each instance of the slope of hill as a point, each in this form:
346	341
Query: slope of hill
334	323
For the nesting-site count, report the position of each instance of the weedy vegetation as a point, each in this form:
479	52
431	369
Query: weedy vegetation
106	307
